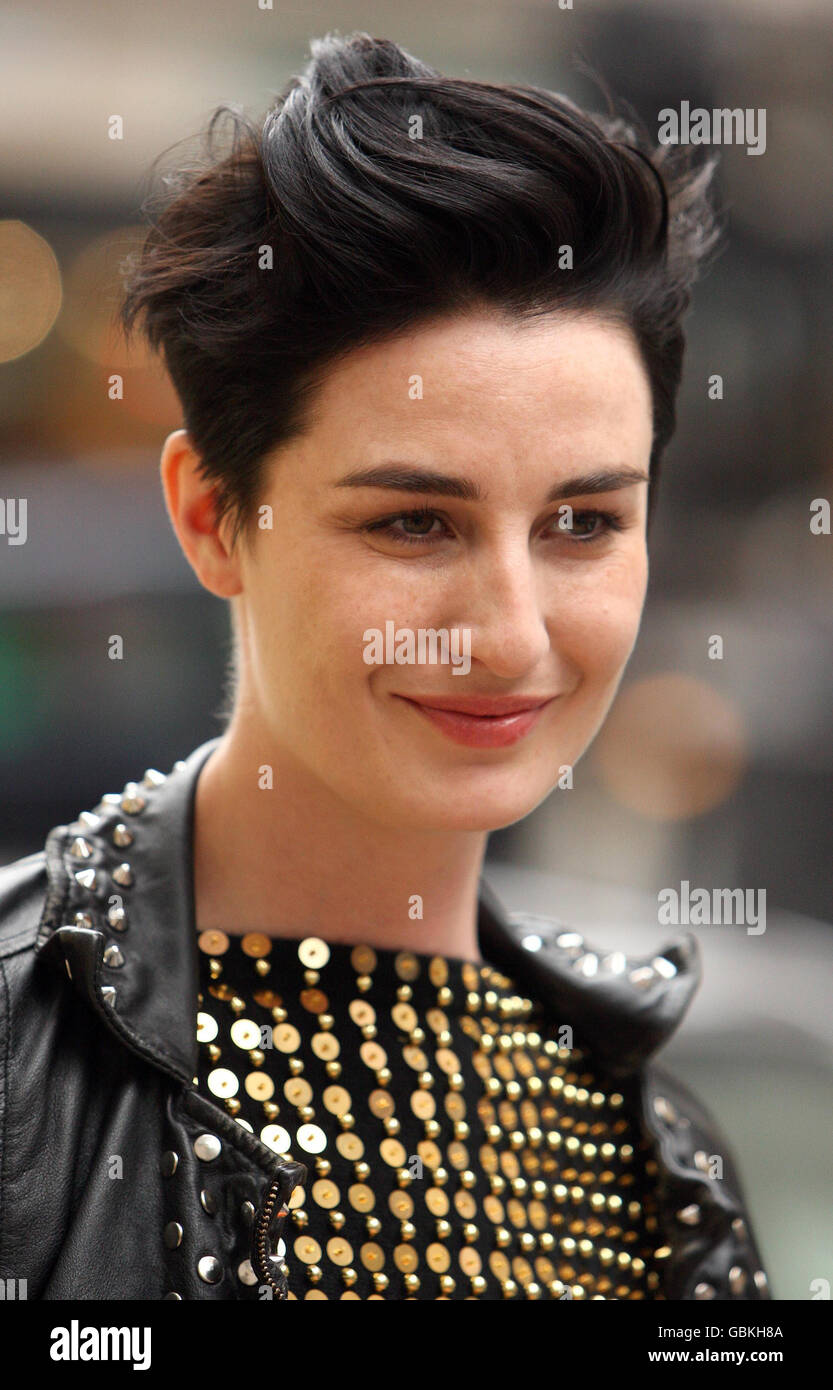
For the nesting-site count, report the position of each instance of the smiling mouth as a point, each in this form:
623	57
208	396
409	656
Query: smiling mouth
482	721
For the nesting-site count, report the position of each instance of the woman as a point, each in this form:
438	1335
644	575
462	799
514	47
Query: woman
426	336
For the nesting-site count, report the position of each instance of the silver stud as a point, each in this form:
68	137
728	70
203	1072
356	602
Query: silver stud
664	967
208	1201
123	876
665	1110
122	836
152	778
247	1211
701	1160
587	964
570	941
760	1280
642	976
209	1269
89	820
88	879
704	1291
180	765
110	799
113	957
616	962
532	943
117	917
245	1273
108	994
172	1235
132	801
83	919
207	1147
171	1296
739	1227
81	848
168	1163
737	1279
690	1215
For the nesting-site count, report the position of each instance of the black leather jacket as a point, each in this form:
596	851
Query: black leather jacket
118	1180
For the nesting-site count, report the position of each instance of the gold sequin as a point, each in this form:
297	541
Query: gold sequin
363	960
361	1197
313	953
276	1137
222	1082
312	1139
381	1104
325	1193
438	971
336	1099
325	1046
406	966
361	1012
423	1105
298	1091
256	944
206	1028
245	1033
393	1152
350	1146
307	1250
415	1058
402	1205
267	998
286	1038
213	943
447	1060
436	1201
437	1257
373	1055
314	1001
259	1085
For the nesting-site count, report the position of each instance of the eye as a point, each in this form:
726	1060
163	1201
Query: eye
417	526
600	524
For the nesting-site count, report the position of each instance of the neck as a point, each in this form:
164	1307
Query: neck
295	861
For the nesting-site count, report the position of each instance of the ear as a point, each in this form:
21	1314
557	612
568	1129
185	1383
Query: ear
190	500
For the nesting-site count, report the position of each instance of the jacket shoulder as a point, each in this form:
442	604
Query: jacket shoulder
23	890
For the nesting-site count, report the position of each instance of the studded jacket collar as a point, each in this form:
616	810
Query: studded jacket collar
109	905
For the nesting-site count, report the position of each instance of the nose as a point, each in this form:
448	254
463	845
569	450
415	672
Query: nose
506	607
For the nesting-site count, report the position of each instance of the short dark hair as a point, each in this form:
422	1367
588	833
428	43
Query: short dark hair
372	231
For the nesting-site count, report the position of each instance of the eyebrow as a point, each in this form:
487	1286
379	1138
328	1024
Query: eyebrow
405	477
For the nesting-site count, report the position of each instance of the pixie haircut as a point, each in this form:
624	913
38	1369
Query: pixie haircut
377	194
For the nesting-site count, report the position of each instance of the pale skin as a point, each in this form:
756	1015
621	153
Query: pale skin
371	804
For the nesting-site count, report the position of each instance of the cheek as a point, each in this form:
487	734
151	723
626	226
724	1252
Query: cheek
595	622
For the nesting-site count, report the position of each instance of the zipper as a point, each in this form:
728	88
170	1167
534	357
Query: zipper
260	1252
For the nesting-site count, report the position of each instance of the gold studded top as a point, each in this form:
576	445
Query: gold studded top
456	1149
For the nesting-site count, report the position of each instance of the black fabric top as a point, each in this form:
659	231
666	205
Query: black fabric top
457	1143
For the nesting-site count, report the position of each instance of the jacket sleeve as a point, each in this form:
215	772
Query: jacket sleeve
712	1249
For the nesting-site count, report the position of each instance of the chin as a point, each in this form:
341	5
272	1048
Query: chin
473	812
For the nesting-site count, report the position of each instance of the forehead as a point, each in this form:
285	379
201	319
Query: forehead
484	378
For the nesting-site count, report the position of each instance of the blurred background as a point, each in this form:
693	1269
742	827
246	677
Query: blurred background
713	771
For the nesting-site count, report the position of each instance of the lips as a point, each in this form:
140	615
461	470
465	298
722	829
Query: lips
482	721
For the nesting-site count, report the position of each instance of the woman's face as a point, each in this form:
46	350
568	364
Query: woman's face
479	430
